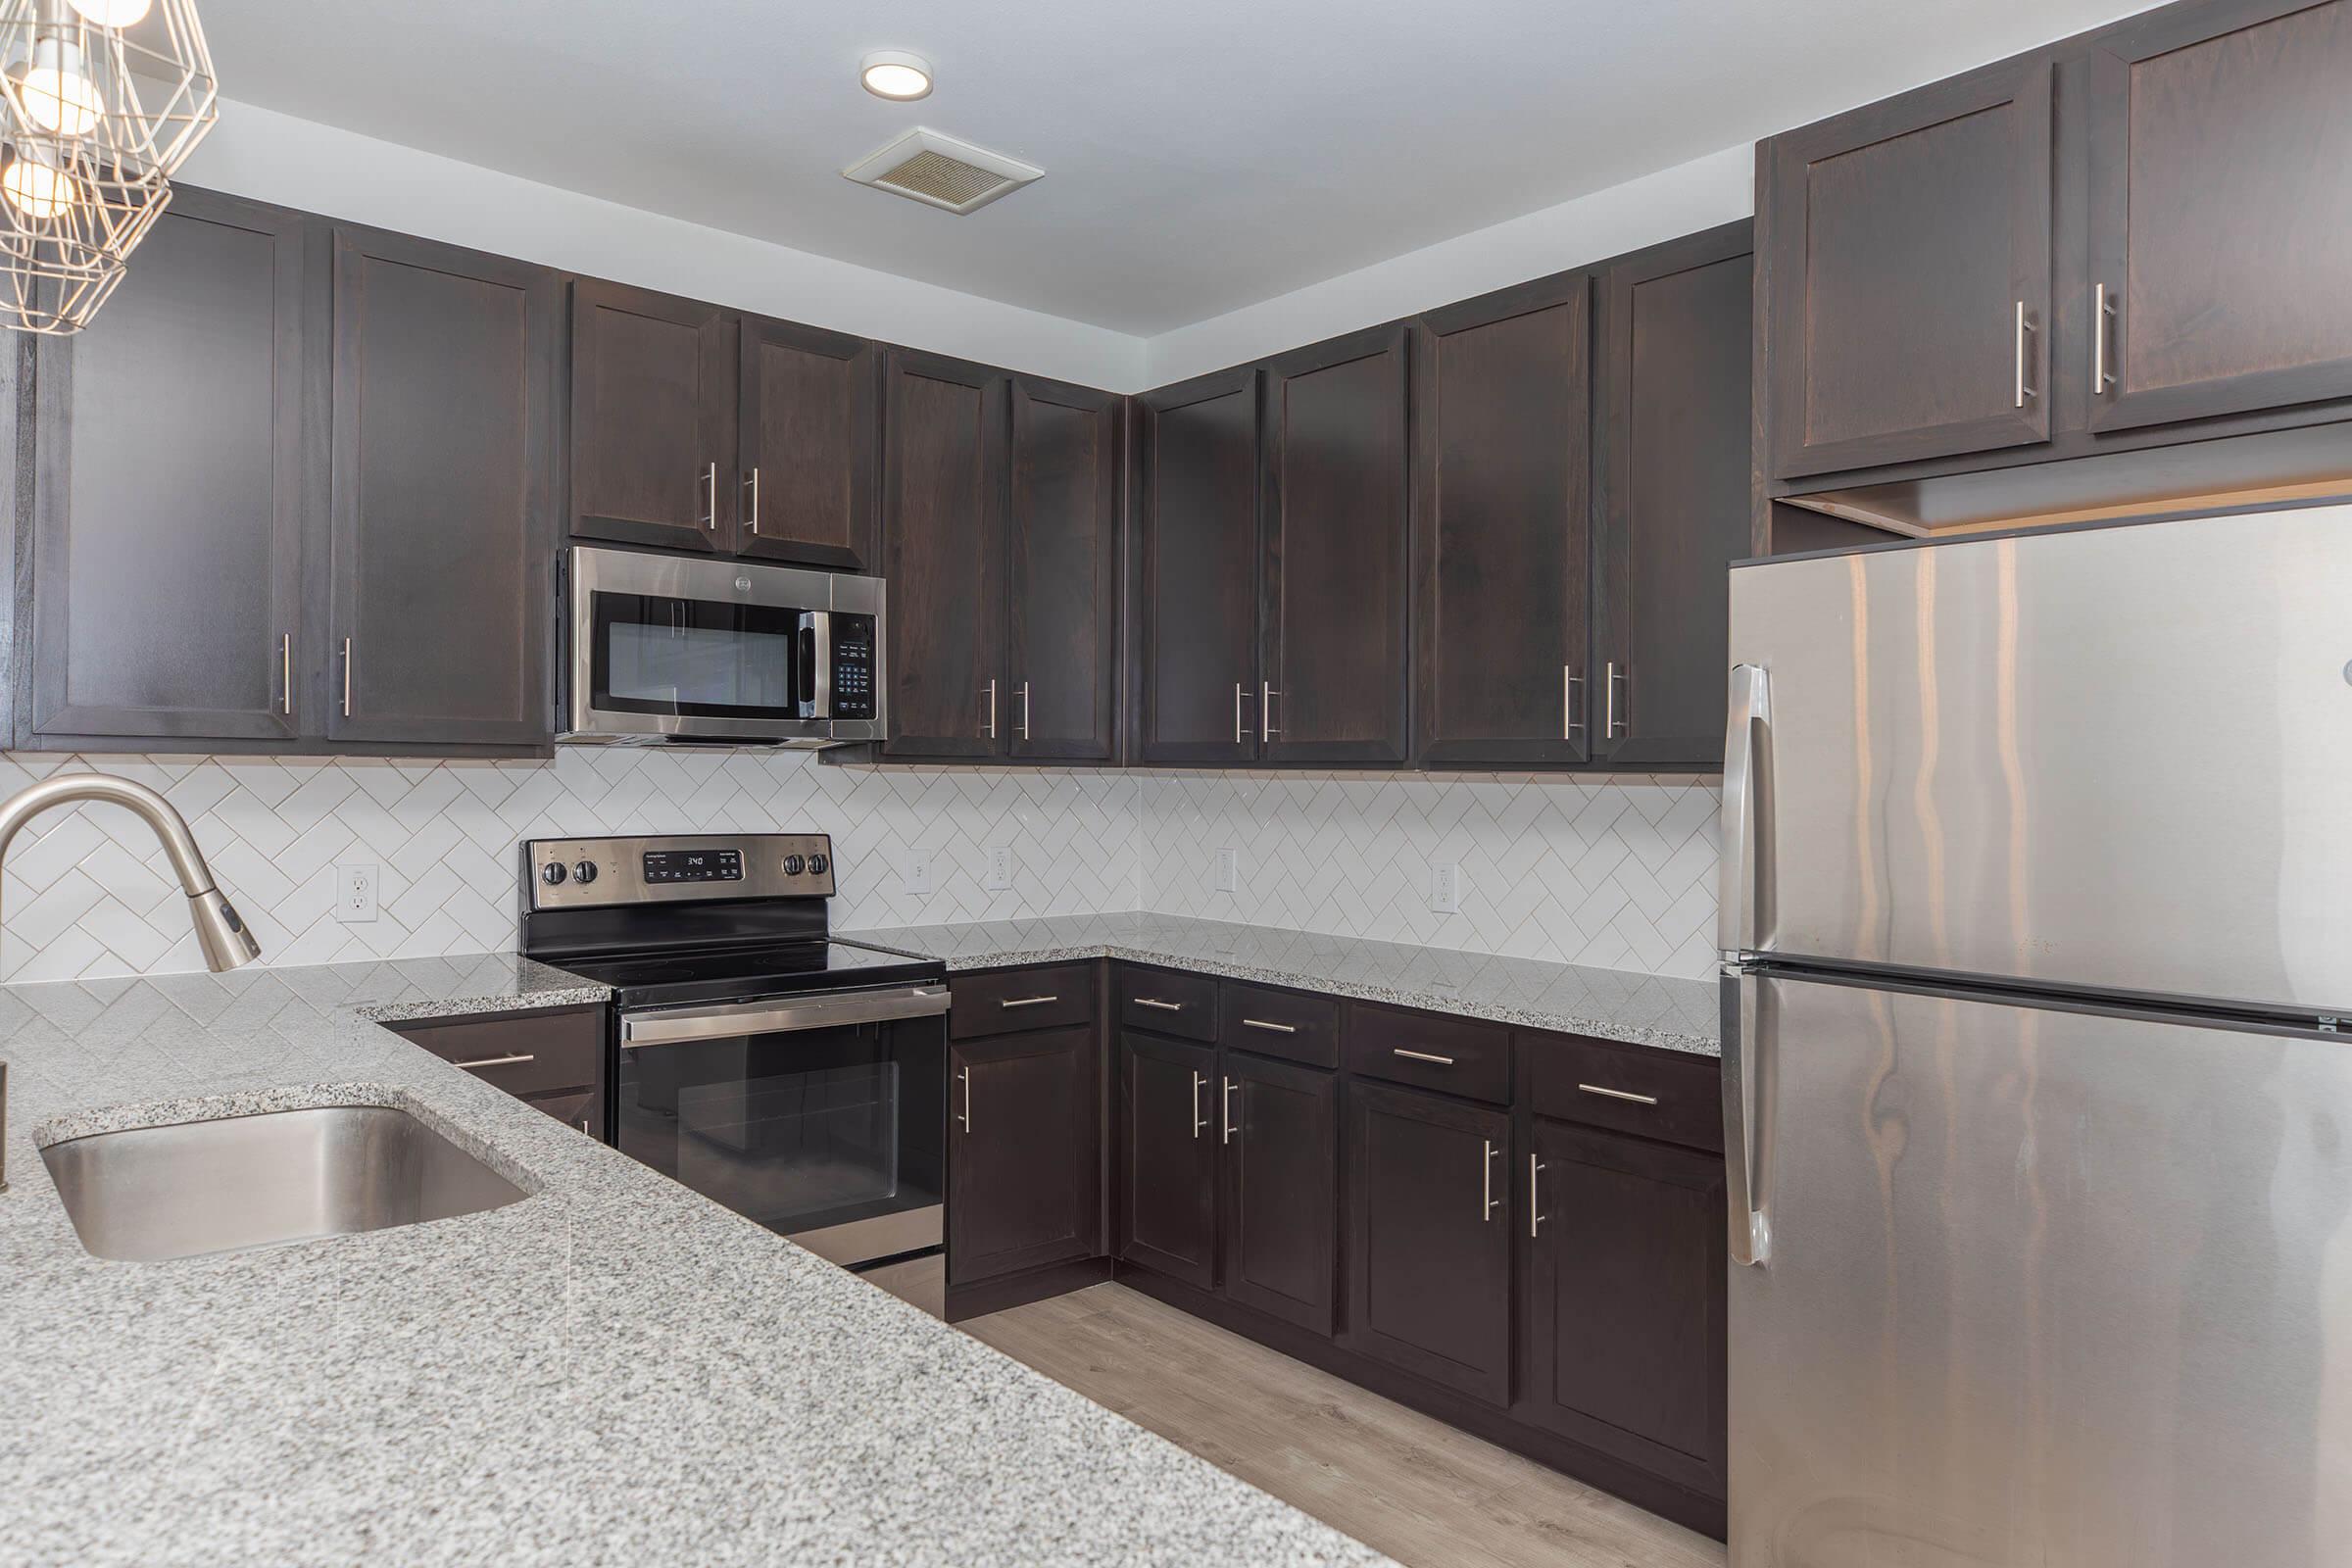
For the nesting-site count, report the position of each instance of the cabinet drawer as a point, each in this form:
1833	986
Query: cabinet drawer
1166	1002
1430	1049
996	1002
1290	1024
526	1055
1667	1095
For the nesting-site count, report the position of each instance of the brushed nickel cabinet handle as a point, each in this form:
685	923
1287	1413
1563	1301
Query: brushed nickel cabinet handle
285	671
710	479
750	484
1421	1055
1158	1005
1269	1026
1239	734
992	709
1027	1002
346	677
1611	727
1571	683
2102	311
2023	327
1024	709
1225	1108
1265	709
965	1075
1535	1198
1618	1094
495	1062
1486	1176
582	1123
1199	1122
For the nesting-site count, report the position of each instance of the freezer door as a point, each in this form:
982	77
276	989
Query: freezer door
2044	1288
2115	759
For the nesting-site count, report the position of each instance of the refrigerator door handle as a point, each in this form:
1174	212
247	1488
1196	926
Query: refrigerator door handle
1742	1062
1739	918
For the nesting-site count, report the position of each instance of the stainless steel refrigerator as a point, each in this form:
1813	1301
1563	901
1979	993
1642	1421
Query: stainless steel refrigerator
2036	928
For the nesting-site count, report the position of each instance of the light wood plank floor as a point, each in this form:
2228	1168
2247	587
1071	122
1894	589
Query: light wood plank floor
1410	1485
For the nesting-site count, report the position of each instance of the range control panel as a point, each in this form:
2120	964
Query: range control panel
586	873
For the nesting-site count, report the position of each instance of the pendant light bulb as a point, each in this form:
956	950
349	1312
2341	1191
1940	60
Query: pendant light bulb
56	91
36	191
114	12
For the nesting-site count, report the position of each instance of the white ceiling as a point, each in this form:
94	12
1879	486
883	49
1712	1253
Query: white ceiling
1199	156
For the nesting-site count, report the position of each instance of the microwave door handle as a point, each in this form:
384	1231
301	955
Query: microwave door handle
817	664
677	1026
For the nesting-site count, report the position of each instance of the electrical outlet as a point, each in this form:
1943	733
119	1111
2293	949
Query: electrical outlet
355	892
1446	889
1229	870
917	879
1000	868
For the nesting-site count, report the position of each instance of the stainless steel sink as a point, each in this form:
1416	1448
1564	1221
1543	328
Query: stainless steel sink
151	1193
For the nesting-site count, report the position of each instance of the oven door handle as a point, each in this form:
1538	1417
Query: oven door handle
677	1026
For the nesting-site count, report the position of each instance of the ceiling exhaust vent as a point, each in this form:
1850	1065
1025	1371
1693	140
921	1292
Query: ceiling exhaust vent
942	171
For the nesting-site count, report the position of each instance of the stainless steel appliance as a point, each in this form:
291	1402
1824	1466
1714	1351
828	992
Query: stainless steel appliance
671	648
2037	929
797	1080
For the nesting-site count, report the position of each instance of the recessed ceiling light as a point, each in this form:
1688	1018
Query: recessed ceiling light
895	74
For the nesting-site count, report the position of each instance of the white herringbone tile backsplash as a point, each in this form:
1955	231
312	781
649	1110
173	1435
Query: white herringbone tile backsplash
1619	873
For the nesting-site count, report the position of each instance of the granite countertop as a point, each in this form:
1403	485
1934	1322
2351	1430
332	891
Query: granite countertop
1609	1004
613	1370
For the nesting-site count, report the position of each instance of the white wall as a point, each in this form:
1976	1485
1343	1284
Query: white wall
1719	188
295	163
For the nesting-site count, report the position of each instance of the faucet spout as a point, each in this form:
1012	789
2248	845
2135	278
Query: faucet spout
222	935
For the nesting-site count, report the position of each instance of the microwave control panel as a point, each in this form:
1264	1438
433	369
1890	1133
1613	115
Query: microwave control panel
852	667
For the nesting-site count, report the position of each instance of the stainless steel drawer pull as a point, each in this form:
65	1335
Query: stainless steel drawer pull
1626	1094
2102	311
1158	1006
1198	1121
1535	1197
992	710
1570	684
285	666
1225	1107
2023	327
496	1062
750	522
1423	1055
346	677
1265	709
966	1074
710	479
1611	727
1026	1001
1487	1176
1239	734
1270	1028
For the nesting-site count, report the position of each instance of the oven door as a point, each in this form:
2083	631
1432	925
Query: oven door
823	1117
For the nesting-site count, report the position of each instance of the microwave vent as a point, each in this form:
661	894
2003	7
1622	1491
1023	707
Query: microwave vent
942	171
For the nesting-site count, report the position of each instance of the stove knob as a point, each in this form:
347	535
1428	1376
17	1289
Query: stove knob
819	866
552	873
584	872
793	865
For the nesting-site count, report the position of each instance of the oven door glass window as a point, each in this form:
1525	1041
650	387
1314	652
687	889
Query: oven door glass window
695	657
800	1130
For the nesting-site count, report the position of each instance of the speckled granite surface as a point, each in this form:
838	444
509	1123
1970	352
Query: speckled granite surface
611	1371
1610	1003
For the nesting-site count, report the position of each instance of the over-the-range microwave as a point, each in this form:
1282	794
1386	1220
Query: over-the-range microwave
671	648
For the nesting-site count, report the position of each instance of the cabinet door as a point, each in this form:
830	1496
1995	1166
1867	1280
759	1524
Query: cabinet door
1674	494
1168	1156
1501	526
173	474
1021	1153
442	535
812	416
1909	258
1625	1300
2220	211
1332	657
944	554
653	418
1279	1129
1196	595
1429	1237
1064	584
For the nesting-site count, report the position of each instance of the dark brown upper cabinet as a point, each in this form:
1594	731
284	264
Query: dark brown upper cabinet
810	413
1062	665
1196	667
943	551
654	397
1674	494
178	461
1023	1188
2220	211
1908	312
1501	528
1332	663
442	534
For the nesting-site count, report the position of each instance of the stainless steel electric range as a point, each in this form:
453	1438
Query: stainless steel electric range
797	1080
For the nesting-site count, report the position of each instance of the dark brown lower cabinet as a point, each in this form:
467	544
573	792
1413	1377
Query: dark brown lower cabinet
1168	1132
1429	1237
553	1061
1624	1343
1278	1127
1022	1152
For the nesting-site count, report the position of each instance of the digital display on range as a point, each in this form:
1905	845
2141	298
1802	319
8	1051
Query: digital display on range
694	865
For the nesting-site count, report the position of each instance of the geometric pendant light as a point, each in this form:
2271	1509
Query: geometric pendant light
101	101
